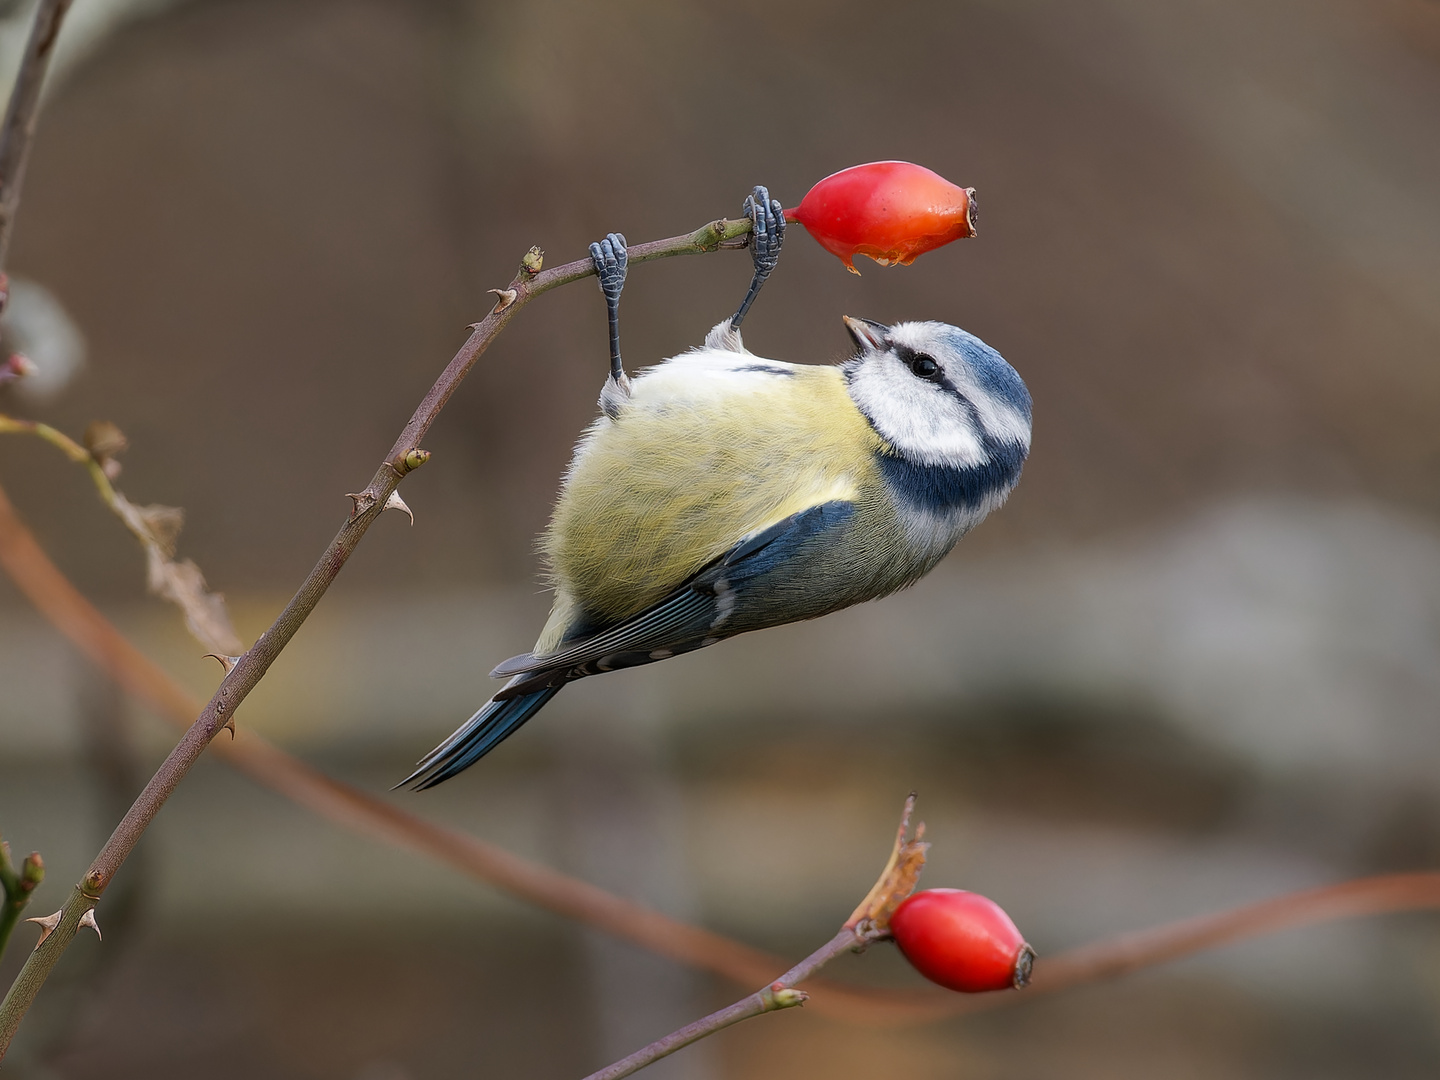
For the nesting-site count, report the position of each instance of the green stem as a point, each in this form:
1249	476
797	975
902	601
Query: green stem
17	887
39	965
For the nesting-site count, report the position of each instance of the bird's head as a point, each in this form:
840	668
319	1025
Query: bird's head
939	396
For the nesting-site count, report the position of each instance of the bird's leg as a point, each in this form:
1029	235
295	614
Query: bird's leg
610	258
767	234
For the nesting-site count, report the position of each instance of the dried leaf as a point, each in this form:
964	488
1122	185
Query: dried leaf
164	524
182	583
897	880
104	439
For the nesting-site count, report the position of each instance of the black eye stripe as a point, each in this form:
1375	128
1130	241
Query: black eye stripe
909	357
921	365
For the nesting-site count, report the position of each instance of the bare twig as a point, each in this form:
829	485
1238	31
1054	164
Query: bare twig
16	887
250	668
22	112
869	922
780	994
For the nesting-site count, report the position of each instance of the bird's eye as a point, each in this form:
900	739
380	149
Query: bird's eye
924	367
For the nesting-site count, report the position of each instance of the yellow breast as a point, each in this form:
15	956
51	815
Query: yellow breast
711	447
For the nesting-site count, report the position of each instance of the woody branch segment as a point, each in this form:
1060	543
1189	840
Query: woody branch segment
20	115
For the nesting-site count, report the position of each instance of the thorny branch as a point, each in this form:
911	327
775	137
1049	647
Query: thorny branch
22	112
870	922
246	671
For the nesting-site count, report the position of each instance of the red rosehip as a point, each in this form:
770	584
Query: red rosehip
962	940
889	210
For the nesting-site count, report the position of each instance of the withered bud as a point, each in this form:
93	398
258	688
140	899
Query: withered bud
104	441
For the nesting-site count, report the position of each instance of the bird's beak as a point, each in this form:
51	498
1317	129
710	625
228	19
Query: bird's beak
868	334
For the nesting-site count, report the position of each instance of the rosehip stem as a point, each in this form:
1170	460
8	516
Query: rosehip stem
781	994
869	923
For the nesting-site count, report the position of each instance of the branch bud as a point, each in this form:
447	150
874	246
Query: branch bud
32	872
777	996
532	262
17	366
414	458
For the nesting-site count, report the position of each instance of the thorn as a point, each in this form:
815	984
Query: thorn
363	501
507	297
395	502
88	919
227	662
230	727
47	926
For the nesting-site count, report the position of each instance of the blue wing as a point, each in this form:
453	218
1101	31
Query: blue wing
733	593
492	723
698	613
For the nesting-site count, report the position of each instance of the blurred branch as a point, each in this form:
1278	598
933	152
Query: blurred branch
1117	956
155	526
359	811
16	885
245	672
870	922
21	114
16	135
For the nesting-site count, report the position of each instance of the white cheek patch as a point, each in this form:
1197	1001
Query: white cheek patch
1002	420
927	424
998	418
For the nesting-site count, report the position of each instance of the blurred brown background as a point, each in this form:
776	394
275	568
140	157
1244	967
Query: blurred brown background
1192	663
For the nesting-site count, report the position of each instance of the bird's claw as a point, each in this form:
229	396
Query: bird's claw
611	259
767	236
767	230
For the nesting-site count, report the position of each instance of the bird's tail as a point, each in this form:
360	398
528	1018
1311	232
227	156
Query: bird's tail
476	737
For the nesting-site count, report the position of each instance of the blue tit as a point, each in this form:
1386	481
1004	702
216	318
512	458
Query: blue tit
720	492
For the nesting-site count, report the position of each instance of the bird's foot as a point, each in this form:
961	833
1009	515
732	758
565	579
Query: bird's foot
767	236
611	260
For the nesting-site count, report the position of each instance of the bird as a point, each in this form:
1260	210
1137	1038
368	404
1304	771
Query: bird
720	492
